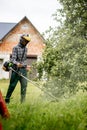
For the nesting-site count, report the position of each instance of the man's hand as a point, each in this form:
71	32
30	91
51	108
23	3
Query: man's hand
28	67
19	65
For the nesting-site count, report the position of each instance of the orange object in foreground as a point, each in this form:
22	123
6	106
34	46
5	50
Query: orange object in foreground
1	127
3	108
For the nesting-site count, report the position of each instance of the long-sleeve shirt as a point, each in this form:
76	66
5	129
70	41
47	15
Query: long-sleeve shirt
19	55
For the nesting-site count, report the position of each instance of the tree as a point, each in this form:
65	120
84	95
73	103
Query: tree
75	12
64	59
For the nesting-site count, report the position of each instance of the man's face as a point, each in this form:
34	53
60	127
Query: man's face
24	42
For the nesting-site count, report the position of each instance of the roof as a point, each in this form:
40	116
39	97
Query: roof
11	38
5	28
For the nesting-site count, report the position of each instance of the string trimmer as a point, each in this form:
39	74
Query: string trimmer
7	66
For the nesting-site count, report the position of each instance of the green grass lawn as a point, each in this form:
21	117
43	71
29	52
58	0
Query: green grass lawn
32	91
39	114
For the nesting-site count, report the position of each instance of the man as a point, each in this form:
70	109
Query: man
19	59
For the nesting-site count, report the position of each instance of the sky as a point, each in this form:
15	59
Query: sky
39	12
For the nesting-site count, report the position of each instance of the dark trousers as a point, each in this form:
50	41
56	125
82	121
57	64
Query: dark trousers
13	82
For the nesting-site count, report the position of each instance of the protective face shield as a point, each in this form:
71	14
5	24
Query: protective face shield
25	39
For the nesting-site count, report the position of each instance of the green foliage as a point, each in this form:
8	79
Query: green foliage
64	59
75	12
65	65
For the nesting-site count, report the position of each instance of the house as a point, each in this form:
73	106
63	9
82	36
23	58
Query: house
9	37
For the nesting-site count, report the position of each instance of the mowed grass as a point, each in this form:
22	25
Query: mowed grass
39	114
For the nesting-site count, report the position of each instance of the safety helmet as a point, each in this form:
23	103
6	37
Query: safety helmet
25	39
